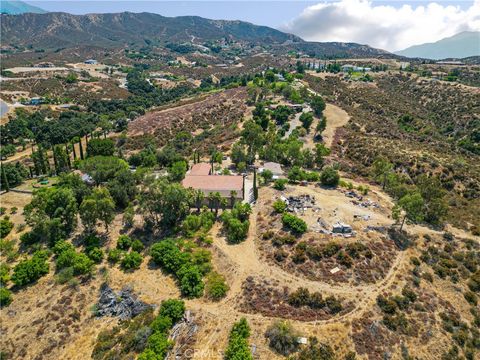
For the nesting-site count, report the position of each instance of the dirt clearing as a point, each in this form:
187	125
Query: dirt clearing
336	118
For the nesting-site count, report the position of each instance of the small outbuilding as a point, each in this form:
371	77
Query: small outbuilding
341	228
87	179
274	167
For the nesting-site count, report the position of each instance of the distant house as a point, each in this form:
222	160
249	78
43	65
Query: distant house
445	62
91	62
347	67
87	179
274	167
296	107
35	101
200	178
45	65
200	169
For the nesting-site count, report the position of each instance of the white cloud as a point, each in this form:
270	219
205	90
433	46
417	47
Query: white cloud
386	27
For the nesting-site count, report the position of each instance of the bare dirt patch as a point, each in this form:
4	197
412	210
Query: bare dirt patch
336	118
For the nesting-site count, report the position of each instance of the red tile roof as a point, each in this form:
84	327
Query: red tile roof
211	183
200	169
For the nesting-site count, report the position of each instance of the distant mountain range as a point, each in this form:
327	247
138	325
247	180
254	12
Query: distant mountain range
55	30
18	7
459	46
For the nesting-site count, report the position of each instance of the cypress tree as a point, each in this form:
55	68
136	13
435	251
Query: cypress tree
55	161
81	148
74	152
67	151
4	179
255	190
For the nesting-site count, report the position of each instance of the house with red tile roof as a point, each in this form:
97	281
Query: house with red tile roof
200	178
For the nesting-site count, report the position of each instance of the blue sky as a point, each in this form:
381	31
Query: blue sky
390	25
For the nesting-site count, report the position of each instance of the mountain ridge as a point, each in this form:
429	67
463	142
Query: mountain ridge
462	45
55	30
18	7
60	29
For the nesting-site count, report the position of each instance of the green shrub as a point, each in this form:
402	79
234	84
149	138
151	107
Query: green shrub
5	227
65	275
279	206
5	297
236	230
191	283
148	354
80	263
28	271
282	337
168	255
187	267
330	249
471	297
159	344
320	351
474	282
8	249
161	324
137	245
173	309
238	348
91	241
132	260
202	258
235	222
329	177
4	274
333	304
124	242
96	255
279	184
62	246
114	255
194	223
294	223
216	287
302	297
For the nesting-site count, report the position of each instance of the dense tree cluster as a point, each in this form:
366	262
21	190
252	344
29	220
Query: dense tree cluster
188	267
30	270
236	222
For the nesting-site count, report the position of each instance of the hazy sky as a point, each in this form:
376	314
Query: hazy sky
390	25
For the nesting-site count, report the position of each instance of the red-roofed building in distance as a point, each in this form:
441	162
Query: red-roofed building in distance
200	177
200	169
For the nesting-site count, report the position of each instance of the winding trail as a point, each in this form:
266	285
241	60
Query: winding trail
245	259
